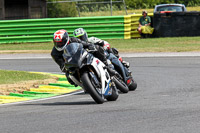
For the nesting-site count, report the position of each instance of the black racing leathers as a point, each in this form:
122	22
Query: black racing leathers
58	58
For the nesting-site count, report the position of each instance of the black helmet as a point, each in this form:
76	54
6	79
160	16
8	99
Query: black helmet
81	34
60	39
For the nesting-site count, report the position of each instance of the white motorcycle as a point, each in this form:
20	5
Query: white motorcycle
90	73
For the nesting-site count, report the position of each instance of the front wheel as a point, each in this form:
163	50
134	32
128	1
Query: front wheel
114	95
89	86
121	85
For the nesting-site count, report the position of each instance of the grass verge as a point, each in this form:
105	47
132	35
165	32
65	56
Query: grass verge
174	44
10	77
19	81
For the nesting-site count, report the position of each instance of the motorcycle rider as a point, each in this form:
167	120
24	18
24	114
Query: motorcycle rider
61	39
82	35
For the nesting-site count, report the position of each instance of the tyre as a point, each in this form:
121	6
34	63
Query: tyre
114	95
93	91
132	86
121	85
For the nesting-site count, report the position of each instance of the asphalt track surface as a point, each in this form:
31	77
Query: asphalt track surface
166	100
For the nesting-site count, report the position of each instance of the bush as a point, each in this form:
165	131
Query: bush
57	10
139	4
68	9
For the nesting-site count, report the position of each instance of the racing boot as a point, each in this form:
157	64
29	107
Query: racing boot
110	68
126	64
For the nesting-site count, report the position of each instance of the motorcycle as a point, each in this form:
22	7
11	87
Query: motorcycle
90	73
124	72
125	77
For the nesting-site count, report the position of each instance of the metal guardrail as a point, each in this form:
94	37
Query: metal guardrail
41	30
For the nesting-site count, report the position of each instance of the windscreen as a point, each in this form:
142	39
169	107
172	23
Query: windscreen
170	8
71	49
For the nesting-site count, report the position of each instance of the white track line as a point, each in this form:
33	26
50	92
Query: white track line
147	54
35	100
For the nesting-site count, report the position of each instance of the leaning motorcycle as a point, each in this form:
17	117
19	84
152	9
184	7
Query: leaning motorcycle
90	73
124	72
125	77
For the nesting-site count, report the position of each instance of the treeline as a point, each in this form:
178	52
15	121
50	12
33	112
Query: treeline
139	4
70	9
57	10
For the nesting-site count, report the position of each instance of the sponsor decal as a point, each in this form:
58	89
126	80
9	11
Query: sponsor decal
69	59
108	88
97	61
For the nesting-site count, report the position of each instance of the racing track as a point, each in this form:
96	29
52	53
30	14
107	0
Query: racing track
167	100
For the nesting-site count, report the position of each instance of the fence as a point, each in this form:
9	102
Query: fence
41	30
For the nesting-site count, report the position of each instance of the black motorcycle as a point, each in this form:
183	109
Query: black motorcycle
124	72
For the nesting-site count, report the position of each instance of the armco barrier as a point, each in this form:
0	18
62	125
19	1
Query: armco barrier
41	30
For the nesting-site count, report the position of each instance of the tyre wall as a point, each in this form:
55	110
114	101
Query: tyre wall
176	24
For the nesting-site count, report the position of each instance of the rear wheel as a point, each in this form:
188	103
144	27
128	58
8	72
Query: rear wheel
90	87
132	86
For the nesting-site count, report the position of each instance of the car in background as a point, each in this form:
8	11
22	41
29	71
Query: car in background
167	8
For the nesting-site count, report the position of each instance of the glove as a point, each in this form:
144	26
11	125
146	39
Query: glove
84	43
91	47
74	39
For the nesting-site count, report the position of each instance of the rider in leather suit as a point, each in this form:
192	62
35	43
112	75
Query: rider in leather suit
61	39
82	35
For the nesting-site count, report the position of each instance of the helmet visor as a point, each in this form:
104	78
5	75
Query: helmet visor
59	44
83	37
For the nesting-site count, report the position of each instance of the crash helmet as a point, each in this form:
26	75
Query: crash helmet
60	39
81	34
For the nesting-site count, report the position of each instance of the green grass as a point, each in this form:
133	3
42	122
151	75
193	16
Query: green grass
174	44
10	77
27	46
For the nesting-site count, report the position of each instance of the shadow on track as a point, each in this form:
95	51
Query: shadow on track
61	103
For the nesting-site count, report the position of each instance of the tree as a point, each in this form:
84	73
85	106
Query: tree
57	10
